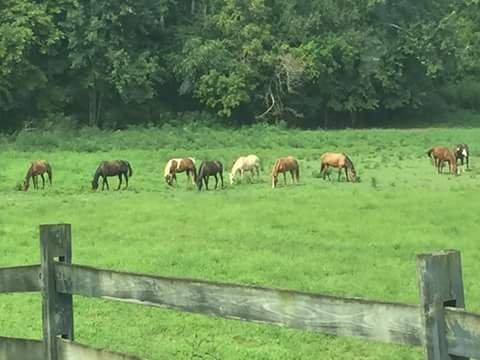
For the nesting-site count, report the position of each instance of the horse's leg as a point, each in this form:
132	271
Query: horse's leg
119	181
126	180
322	171
103	183
106	182
284	178
34	180
216	181
339	173
221	178
346	174
43	181
292	174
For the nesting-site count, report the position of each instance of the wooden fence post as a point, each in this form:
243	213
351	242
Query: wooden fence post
440	283
57	309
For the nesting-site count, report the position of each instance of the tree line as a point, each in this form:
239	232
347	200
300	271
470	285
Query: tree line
325	63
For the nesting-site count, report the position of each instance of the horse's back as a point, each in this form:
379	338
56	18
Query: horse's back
332	158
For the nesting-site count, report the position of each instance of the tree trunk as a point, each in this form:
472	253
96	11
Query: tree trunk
92	106
325	118
353	119
193	7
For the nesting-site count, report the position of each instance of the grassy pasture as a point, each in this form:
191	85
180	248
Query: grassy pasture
328	237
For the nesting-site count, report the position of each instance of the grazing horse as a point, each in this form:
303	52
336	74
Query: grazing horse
37	167
440	154
207	169
340	161
245	163
282	165
175	166
462	152
112	168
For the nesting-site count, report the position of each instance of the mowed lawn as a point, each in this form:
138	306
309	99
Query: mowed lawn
320	236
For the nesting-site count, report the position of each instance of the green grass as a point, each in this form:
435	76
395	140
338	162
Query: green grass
328	237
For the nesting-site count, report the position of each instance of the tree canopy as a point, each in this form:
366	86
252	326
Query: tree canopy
325	63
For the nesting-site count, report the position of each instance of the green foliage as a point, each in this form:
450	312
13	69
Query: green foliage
326	63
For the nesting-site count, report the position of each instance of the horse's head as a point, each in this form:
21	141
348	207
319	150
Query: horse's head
232	175
94	184
25	185
169	179
274	180
353	175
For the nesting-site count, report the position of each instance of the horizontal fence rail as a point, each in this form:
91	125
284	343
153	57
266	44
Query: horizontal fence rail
69	350
439	324
24	349
382	321
463	333
20	279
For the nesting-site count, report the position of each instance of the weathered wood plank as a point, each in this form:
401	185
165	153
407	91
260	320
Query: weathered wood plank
68	350
440	283
382	321
463	333
57	308
20	279
24	349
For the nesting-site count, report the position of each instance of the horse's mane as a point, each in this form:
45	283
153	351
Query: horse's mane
349	161
275	167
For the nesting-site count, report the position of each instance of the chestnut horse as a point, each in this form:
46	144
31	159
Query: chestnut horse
179	165
340	161
112	168
245	163
440	154
207	169
462	153
282	165
37	167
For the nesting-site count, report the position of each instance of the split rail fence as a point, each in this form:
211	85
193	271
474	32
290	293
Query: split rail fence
439	323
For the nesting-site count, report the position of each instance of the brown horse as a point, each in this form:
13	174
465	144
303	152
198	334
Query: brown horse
112	168
283	165
340	161
175	166
440	154
37	167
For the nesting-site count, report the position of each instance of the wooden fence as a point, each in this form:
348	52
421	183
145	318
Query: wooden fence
439	324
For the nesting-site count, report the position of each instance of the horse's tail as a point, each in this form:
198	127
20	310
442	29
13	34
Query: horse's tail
194	169
130	171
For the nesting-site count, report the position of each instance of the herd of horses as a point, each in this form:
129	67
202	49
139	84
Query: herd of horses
251	163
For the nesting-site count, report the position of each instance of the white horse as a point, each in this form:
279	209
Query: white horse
245	163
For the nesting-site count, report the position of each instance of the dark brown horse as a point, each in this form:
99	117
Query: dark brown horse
462	153
339	161
207	169
112	168
37	167
440	154
282	165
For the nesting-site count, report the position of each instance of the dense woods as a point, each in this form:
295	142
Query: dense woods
325	63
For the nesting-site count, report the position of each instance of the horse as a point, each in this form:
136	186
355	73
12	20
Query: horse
37	167
179	165
282	165
207	169
462	153
440	154
245	163
340	161
112	168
